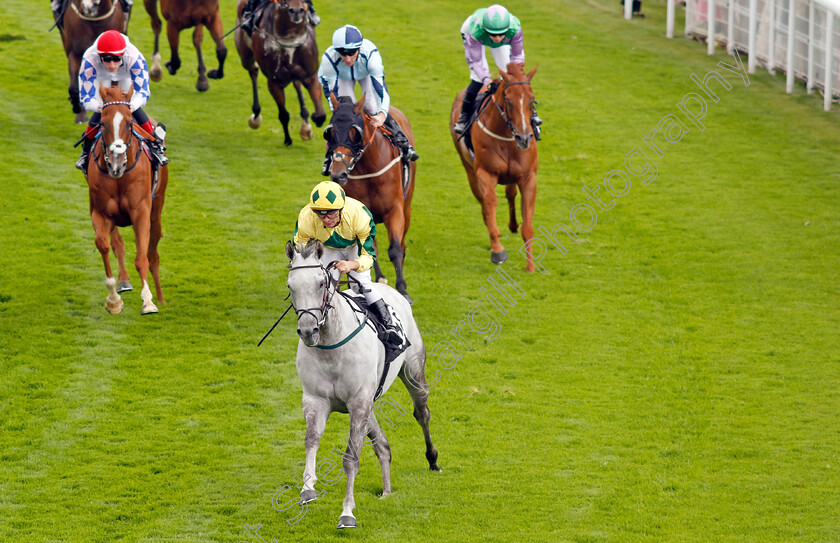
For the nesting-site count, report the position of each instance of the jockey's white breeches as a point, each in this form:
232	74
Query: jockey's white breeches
347	87
351	253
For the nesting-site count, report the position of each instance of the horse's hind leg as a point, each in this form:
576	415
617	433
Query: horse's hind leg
528	188
155	72
305	127
102	227
414	378
198	36
380	277
156	233
510	194
172	33
118	245
382	450
216	31
280	97
395	222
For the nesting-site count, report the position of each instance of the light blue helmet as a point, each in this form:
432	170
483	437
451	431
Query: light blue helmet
347	37
496	20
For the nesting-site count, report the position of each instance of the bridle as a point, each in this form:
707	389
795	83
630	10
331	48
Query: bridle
119	148
502	110
329	288
354	157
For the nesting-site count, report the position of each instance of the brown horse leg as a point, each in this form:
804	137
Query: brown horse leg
510	194
102	227
280	97
395	222
172	33
142	227
528	188
156	232
118	246
155	71
216	31
488	211
315	93
380	277
305	128
198	36
73	63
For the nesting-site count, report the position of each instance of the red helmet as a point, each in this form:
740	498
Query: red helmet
111	42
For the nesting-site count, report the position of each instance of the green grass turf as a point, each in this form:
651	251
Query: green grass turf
673	377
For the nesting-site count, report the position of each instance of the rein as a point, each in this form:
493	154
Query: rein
97	18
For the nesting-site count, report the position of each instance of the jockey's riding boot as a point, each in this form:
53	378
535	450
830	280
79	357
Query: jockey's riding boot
249	16
380	311
400	139
82	163
467	106
313	17
535	124
157	146
325	171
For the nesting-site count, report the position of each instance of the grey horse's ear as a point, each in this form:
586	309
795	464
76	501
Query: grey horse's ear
319	250
290	250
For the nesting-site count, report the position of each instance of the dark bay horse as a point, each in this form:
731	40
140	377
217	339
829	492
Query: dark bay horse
376	179
120	188
505	154
83	21
181	14
283	46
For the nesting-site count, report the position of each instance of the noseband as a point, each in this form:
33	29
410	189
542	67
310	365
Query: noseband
501	109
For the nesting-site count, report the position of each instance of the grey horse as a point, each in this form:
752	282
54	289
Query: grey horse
340	362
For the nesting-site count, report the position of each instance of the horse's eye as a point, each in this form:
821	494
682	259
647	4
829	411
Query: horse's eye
354	136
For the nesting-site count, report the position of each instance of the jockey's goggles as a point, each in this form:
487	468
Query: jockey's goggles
346	52
110	58
326	212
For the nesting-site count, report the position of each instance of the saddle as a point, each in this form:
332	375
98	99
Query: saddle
405	164
391	351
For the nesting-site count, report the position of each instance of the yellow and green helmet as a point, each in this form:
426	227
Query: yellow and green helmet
327	195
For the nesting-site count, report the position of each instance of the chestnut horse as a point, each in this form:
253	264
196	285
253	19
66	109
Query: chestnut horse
181	14
377	179
120	187
82	22
283	46
504	154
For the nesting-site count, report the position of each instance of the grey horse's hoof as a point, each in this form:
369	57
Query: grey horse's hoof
408	298
346	522
124	286
498	258
308	496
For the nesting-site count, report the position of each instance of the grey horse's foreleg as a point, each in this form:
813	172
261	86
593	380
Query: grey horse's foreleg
414	378
315	412
382	450
360	415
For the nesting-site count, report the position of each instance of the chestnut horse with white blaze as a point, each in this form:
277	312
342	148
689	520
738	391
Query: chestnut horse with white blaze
505	154
180	15
370	169
82	22
120	188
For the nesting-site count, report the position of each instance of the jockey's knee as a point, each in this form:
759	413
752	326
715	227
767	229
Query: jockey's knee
140	116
